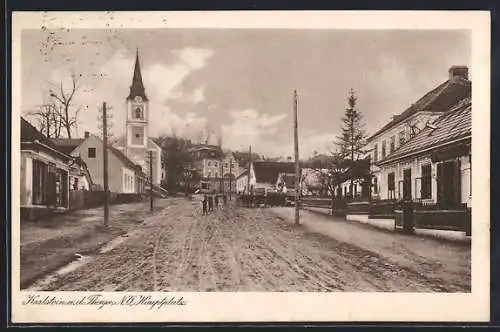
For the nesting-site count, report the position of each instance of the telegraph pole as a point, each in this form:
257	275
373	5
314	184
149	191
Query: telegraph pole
230	177
151	180
249	168
297	165
105	162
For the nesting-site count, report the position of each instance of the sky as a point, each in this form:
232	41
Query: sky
239	83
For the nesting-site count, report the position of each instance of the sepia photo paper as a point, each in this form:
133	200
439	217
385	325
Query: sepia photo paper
292	166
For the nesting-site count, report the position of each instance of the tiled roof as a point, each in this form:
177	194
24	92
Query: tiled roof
268	171
29	133
67	145
453	125
439	99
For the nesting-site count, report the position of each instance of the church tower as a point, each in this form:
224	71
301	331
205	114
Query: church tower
136	146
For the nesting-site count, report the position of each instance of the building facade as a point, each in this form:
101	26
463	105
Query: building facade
124	176
435	166
404	127
216	169
44	174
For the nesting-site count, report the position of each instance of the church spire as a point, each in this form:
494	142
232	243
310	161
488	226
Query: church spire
137	88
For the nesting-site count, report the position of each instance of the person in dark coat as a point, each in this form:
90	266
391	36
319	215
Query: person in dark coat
210	203
205	202
216	201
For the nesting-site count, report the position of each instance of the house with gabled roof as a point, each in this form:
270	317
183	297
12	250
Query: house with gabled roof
124	176
403	128
435	165
265	174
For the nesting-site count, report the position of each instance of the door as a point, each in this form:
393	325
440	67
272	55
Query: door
448	181
407	184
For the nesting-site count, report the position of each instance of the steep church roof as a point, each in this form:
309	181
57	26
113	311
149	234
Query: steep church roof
137	87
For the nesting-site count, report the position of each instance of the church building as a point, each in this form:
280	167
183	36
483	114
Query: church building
138	146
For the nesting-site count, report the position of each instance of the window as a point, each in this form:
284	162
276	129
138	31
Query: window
91	152
209	163
375	153
426	182
402	138
393	144
391	185
383	149
138	113
375	185
215	163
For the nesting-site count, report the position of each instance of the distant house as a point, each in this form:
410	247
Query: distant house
79	175
264	175
124	176
435	166
44	174
403	128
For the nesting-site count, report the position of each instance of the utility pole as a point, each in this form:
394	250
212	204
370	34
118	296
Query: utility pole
151	180
105	162
249	168
297	166
230	177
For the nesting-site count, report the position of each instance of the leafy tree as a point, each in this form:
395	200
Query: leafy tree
353	137
176	157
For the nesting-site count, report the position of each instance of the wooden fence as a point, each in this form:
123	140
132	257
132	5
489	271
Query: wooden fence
81	199
423	215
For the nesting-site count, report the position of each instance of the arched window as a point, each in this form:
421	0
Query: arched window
138	113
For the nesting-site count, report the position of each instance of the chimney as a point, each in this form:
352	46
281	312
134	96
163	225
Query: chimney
87	134
459	71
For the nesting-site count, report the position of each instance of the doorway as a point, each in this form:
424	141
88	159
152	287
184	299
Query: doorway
407	184
448	183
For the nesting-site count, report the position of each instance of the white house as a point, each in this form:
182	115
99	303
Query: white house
404	127
435	166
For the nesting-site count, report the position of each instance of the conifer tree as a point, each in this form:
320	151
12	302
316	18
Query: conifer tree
353	137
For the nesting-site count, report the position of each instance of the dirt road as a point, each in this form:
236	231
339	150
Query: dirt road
237	249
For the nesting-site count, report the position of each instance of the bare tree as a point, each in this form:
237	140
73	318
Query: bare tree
49	119
65	102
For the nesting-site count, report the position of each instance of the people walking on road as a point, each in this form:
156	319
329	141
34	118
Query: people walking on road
224	199
204	203
210	203
216	201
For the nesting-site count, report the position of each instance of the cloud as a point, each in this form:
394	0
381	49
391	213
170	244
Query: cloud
194	58
250	127
198	95
111	82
